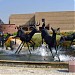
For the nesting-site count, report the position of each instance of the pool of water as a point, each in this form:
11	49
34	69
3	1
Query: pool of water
39	54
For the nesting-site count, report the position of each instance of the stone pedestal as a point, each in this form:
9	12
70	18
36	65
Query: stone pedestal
72	66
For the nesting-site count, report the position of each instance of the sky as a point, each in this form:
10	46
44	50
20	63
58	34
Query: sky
8	7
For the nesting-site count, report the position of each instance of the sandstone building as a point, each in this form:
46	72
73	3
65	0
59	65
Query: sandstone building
63	19
22	20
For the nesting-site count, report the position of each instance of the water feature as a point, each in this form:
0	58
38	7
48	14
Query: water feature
41	53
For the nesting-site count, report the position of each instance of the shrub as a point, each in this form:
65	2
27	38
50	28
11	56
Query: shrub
15	33
37	39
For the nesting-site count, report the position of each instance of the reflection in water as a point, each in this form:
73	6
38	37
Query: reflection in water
39	54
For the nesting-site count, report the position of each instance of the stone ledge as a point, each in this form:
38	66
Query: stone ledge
34	64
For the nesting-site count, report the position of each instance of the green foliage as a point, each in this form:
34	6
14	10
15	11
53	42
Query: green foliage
37	39
15	33
66	33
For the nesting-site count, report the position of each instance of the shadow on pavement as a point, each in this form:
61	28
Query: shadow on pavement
63	71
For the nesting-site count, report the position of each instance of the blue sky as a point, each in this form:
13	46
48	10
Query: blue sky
8	7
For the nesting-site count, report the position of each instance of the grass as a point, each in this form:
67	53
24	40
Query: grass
37	39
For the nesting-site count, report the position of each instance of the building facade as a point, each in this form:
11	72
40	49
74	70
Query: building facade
65	20
22	20
8	28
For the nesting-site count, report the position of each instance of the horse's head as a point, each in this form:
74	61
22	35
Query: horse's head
55	30
73	35
20	32
54	35
62	39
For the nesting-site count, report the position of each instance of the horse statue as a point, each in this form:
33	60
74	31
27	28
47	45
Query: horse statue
4	39
50	40
70	37
25	38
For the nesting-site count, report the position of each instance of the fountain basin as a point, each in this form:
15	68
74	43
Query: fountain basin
34	64
38	54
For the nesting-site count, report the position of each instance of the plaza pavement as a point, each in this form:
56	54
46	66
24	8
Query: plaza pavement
20	70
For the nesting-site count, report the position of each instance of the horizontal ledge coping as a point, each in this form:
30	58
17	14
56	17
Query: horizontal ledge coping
31	62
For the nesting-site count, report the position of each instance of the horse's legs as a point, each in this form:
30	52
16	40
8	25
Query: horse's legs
51	51
42	38
57	53
27	45
71	43
56	48
53	55
33	43
46	47
21	47
18	47
58	57
28	48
